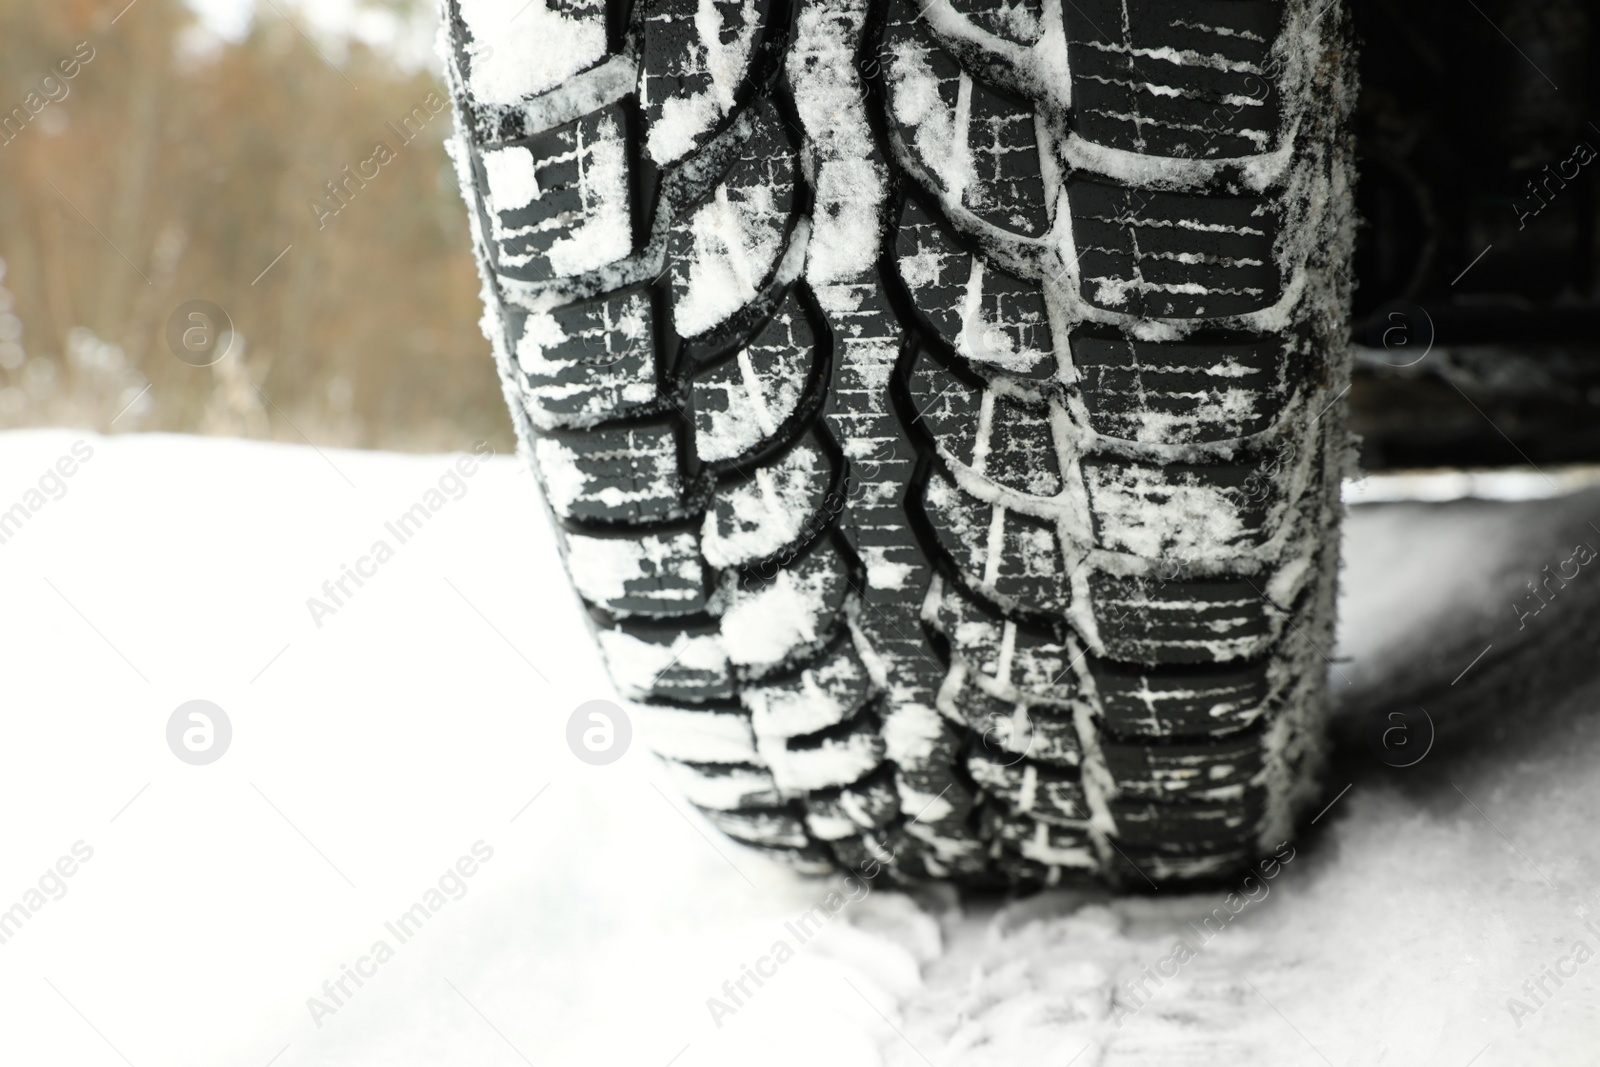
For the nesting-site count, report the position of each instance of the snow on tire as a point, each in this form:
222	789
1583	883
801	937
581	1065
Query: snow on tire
940	403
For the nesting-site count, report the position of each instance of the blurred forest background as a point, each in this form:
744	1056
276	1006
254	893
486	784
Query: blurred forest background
178	165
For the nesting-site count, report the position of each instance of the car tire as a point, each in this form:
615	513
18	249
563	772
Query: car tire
941	406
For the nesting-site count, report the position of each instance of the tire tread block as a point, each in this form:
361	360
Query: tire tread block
1179	702
978	144
769	624
1168	771
1179	392
1014	658
1145	252
770	828
616	474
1179	510
1021	453
1192	828
723	253
742	404
1006	327
1009	191
862	808
755	515
1191	81
1179	621
1030	787
1014	20
1043	842
726	787
586	362
652	574
825	694
686	665
1030	568
947	408
830	759
560	202
684	76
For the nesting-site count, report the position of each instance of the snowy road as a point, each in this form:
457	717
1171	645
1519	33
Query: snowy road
398	776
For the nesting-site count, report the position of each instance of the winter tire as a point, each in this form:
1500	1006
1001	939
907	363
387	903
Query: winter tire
941	407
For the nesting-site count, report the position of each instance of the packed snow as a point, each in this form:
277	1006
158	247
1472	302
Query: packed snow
522	47
415	729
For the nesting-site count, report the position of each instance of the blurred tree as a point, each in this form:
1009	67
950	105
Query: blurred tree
164	172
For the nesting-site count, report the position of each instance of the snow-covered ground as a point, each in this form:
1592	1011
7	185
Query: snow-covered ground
411	750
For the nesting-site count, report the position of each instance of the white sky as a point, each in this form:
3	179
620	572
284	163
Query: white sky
226	18
332	20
